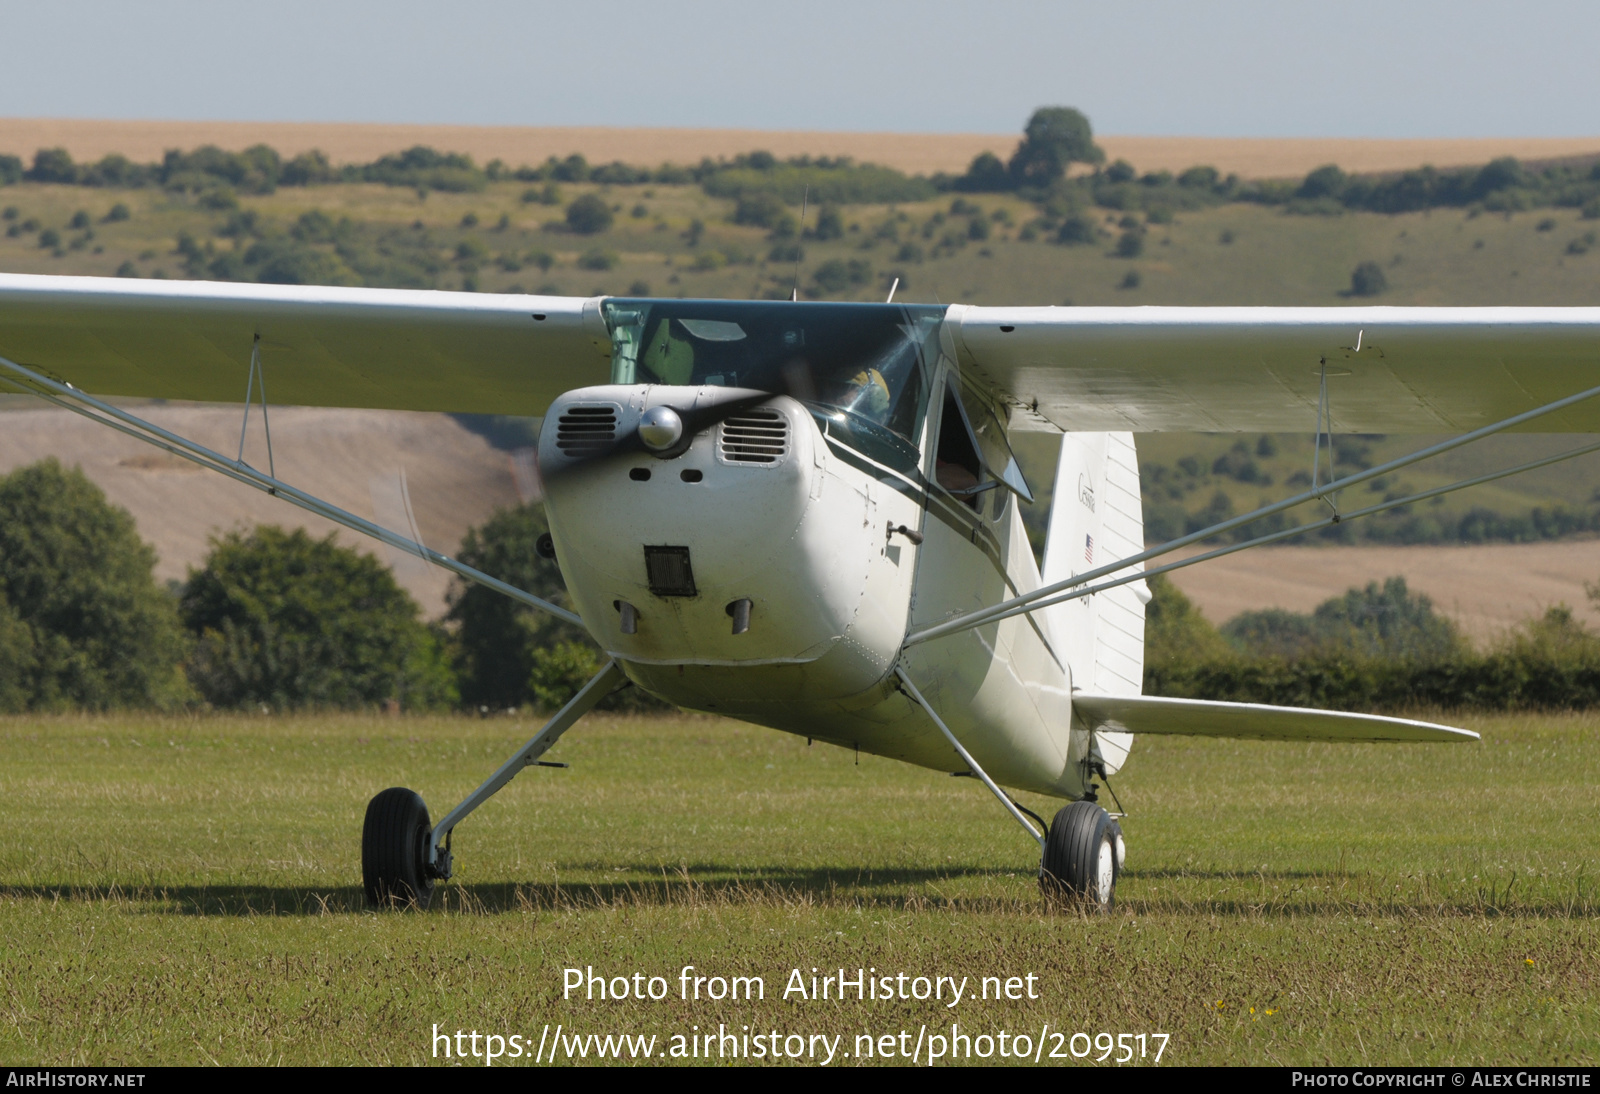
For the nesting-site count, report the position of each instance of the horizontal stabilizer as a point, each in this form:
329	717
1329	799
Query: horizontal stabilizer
1204	718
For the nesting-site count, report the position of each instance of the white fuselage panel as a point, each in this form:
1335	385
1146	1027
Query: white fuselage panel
806	538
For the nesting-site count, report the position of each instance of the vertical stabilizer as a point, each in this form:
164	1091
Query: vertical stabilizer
1096	519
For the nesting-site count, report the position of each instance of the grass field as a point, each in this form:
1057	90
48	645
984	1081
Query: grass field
187	891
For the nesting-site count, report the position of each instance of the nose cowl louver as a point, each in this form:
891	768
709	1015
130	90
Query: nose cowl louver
585	429
755	436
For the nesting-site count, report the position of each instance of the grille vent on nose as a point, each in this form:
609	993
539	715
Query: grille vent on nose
755	436
582	430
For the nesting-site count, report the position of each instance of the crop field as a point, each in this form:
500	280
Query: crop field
917	153
1487	590
186	891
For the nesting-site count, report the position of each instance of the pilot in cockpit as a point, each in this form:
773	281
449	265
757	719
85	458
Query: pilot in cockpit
867	395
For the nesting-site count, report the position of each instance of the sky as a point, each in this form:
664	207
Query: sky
1241	68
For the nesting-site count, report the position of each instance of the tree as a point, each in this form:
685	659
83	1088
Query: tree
1078	228
1327	181
497	637
289	621
510	655
830	224
16	660
82	621
589	215
1121	171
307	169
1387	621
1175	632
763	209
1056	137
985	175
1272	632
1367	280
1500	174
53	165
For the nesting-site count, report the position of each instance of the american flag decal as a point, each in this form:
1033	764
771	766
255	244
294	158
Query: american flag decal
1088	548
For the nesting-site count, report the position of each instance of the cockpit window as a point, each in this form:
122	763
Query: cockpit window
957	466
974	458
862	368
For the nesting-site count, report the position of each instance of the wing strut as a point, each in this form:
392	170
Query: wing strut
1274	537
70	398
1079	585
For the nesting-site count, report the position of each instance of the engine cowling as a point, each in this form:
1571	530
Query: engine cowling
743	545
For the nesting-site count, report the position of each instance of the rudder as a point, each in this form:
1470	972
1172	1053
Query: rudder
1096	518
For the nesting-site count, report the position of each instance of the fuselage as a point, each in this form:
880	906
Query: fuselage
769	567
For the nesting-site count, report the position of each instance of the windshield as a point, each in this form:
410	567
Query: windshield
862	368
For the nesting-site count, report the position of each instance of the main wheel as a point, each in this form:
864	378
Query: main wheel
1120	844
394	850
1081	859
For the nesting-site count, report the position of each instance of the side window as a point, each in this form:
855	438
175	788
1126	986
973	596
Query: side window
957	466
999	462
974	459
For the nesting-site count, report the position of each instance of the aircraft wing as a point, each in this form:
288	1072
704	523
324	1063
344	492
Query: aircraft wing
1430	370
1204	718
1390	370
390	348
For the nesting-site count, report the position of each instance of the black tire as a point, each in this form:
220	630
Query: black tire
1080	857
394	848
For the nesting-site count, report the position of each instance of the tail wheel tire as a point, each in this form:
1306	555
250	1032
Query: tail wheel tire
394	850
1082	856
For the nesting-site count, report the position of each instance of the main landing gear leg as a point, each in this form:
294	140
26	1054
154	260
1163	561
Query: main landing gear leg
972	765
1081	850
402	857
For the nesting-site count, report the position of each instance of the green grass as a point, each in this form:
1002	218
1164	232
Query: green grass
186	891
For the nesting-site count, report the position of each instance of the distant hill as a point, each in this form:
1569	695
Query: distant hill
1487	590
739	233
915	153
353	458
1191	480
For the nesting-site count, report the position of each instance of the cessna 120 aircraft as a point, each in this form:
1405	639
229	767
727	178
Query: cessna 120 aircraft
807	515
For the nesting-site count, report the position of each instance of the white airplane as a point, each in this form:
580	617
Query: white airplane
807	515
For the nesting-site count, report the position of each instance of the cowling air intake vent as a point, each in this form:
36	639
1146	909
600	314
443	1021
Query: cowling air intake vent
669	571
583	430
755	436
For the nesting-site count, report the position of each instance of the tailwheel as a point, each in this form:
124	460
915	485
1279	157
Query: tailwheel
1083	855
394	850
